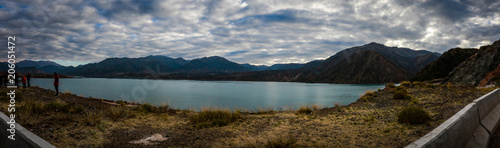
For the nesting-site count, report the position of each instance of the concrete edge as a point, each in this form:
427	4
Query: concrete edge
25	134
480	137
431	137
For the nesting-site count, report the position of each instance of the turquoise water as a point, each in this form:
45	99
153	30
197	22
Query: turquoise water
189	94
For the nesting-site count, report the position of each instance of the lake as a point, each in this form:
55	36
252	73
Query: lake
190	94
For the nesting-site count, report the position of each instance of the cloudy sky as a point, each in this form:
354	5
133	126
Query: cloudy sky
245	31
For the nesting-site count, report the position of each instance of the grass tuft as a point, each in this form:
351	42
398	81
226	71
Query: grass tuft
214	117
304	110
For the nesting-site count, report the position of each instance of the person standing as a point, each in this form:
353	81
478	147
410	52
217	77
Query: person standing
56	83
23	80
29	78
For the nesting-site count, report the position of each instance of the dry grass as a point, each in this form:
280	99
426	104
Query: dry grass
373	123
212	117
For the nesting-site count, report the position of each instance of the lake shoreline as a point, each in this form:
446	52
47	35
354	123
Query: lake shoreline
188	94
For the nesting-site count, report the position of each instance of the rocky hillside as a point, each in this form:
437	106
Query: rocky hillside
365	67
444	64
491	78
476	67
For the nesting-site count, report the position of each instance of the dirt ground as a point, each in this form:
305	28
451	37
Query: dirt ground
69	120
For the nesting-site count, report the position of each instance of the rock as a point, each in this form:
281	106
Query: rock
491	77
150	140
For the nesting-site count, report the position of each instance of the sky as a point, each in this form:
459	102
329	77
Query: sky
261	32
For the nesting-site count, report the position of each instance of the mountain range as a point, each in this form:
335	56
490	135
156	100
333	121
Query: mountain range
370	63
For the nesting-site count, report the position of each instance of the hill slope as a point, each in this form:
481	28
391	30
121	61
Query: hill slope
211	65
410	60
476	67
444	64
365	67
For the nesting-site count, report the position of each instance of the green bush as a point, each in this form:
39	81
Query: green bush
304	110
390	85
399	88
413	115
214	117
417	83
497	83
405	84
400	95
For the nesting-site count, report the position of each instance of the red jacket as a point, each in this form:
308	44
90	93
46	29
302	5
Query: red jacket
24	80
56	80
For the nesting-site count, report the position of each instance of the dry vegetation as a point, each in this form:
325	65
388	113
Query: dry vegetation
372	121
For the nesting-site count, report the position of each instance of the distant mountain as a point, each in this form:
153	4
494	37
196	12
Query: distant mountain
370	63
285	66
444	64
476	67
211	65
313	64
118	67
37	64
254	67
52	68
365	67
31	70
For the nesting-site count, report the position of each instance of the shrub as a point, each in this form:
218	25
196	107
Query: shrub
400	95
390	85
163	108
413	115
268	110
399	88
214	117
497	83
417	83
77	108
304	110
116	113
316	107
405	84
121	102
147	108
